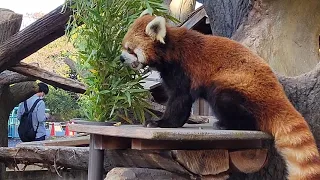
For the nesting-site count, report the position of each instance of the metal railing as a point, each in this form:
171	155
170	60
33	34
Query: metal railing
13	123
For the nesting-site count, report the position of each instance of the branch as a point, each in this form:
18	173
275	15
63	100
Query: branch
49	77
8	77
70	63
33	37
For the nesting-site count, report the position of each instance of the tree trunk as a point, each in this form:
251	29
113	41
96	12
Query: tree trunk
226	16
286	34
10	96
10	23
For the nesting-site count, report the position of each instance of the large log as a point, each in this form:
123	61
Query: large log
32	38
77	158
198	163
9	77
49	77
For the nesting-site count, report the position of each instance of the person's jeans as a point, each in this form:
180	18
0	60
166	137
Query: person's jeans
41	138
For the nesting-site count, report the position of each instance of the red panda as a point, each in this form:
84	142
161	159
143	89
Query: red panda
240	86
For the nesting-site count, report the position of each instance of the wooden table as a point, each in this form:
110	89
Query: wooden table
189	137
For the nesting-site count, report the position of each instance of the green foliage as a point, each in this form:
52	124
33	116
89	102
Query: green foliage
97	30
62	104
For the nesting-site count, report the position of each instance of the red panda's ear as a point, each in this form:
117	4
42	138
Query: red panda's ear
156	29
145	12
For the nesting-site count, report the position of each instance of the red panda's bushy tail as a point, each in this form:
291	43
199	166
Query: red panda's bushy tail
296	144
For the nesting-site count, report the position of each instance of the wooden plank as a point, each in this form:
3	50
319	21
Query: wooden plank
189	133
109	142
194	19
144	144
70	141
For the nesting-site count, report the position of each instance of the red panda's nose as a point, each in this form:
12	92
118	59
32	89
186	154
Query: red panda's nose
122	59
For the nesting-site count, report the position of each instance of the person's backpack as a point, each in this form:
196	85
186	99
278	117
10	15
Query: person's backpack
25	129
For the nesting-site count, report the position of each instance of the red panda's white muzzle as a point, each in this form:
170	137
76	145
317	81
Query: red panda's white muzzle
136	59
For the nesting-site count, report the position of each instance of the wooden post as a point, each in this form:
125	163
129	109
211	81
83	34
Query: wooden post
96	157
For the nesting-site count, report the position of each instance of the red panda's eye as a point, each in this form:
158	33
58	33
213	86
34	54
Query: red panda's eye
130	50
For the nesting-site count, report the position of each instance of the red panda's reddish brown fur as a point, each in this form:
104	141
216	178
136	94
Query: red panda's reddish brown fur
229	65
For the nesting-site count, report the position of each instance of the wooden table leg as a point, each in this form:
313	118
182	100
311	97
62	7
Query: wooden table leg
96	157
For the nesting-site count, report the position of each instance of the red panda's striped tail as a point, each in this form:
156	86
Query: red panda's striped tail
296	144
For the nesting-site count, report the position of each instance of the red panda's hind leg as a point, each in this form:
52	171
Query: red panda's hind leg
229	108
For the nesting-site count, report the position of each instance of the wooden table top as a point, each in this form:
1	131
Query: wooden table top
185	133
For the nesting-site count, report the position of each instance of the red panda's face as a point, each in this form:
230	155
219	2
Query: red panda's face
138	43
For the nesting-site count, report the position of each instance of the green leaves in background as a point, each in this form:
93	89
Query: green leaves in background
97	29
63	105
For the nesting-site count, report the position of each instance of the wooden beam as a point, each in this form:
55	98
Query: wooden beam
145	144
111	142
49	77
34	37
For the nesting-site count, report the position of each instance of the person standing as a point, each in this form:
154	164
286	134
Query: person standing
38	114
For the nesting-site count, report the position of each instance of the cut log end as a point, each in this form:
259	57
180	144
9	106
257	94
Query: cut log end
248	161
205	162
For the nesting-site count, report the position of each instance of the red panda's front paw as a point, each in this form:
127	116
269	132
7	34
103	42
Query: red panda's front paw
162	123
151	124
